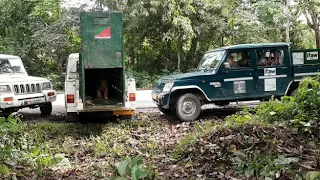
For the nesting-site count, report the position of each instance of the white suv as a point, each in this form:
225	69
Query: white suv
19	90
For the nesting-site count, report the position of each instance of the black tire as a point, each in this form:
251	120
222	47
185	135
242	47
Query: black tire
46	109
73	116
164	111
196	107
293	92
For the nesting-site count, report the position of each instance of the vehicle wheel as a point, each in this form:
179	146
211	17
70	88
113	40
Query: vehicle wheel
188	107
73	116
164	111
293	93
46	109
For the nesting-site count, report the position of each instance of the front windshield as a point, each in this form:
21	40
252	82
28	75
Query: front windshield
211	60
11	66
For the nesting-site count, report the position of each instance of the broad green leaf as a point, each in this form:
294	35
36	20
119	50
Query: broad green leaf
134	174
4	170
142	172
122	167
313	175
281	160
138	172
136	161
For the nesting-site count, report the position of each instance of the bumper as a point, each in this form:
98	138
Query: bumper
127	110
10	100
161	99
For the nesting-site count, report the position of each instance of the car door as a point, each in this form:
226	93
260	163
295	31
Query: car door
238	80
273	79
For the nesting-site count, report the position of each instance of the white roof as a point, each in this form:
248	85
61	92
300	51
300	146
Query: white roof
6	56
74	55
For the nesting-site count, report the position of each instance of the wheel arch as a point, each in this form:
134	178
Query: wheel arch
178	91
292	86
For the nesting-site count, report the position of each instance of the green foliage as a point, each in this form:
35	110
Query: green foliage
56	80
262	166
18	147
312	175
243	117
276	110
301	111
131	169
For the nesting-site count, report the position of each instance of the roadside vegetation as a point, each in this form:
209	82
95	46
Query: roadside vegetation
278	139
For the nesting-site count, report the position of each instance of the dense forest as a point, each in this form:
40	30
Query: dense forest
169	35
277	139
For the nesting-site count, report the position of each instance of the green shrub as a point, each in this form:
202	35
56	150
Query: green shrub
277	110
262	166
17	147
301	111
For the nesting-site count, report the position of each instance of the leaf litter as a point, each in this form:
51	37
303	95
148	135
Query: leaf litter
204	149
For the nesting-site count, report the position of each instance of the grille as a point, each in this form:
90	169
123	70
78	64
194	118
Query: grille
26	88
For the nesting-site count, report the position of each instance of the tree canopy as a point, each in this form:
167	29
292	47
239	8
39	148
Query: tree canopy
169	35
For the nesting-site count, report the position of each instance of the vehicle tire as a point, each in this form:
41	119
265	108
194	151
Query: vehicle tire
188	107
164	111
73	116
46	109
293	92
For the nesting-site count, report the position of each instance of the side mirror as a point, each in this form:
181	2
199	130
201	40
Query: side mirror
226	65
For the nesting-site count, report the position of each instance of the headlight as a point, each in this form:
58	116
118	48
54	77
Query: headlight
46	86
167	87
4	88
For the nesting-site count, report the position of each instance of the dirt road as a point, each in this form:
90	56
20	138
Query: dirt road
144	104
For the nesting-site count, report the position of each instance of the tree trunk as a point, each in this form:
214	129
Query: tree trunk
192	50
60	59
179	60
317	37
180	50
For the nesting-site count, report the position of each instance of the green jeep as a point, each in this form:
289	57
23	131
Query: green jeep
236	73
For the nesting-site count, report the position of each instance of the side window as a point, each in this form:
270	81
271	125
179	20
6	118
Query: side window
270	57
240	59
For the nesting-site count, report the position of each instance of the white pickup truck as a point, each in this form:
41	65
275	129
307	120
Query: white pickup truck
19	90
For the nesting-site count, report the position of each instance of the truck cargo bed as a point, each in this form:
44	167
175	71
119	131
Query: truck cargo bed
115	86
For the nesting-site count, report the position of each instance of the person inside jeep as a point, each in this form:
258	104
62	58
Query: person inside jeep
274	57
5	66
262	59
232	63
245	60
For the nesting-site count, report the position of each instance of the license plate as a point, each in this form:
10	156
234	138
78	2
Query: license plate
32	101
